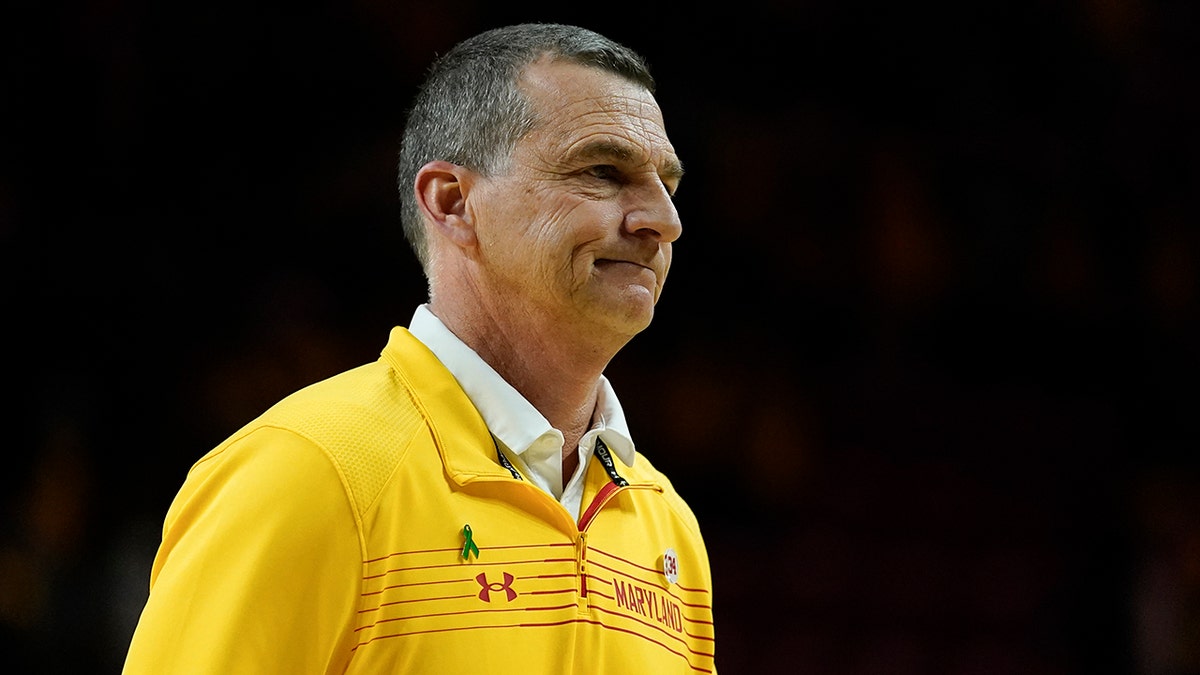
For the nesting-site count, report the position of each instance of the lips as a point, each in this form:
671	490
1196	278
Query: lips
605	262
627	267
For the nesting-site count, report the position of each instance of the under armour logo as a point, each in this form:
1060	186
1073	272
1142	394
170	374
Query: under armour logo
485	588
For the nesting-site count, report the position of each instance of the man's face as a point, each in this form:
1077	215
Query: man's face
579	228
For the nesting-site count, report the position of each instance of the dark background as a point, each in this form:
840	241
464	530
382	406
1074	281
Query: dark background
926	368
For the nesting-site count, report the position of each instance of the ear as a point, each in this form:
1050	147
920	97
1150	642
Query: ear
441	190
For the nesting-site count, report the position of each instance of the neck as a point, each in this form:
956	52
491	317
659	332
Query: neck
556	370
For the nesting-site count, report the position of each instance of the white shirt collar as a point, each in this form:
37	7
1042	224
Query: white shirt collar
512	419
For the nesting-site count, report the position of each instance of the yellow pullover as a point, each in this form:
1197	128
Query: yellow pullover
368	525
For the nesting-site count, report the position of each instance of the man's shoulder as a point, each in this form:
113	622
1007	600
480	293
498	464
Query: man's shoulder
364	421
355	406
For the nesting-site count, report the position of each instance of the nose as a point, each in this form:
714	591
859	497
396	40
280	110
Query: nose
652	213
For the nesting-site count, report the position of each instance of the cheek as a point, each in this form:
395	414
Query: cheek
574	228
511	226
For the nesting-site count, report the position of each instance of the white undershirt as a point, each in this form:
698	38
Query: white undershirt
532	445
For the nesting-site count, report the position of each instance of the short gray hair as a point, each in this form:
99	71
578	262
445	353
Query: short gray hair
470	110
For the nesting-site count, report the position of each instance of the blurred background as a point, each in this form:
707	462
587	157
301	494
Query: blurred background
926	367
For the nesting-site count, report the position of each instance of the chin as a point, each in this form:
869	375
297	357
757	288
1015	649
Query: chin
634	315
627	310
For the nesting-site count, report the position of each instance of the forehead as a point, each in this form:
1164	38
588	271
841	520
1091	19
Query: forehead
580	108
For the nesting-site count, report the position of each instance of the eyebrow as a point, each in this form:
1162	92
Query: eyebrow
607	149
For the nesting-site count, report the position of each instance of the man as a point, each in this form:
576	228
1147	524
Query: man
471	502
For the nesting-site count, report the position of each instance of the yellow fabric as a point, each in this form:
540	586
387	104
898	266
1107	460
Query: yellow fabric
326	537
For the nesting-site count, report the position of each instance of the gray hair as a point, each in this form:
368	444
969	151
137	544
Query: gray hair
470	110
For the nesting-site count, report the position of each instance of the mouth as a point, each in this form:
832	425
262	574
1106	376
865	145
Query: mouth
626	272
610	262
635	271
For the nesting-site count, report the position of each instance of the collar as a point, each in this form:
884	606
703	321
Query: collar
509	416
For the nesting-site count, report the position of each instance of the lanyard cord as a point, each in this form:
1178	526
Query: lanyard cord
602	453
609	467
504	461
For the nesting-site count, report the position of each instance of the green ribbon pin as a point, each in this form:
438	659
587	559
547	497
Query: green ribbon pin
469	547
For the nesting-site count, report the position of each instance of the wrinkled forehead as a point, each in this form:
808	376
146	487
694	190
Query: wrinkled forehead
577	105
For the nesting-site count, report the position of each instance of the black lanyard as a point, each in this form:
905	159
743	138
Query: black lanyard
602	453
504	460
609	467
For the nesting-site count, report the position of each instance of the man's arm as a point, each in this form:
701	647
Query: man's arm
260	566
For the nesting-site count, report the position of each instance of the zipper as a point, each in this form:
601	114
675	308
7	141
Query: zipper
616	482
606	493
581	565
598	502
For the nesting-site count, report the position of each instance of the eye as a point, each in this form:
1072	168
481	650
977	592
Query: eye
603	172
